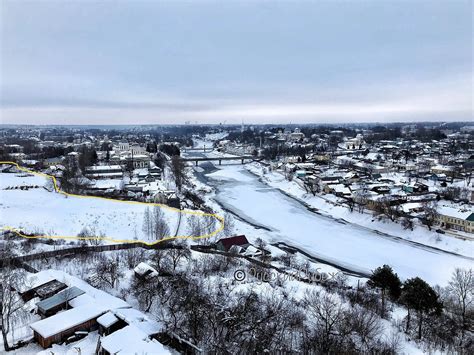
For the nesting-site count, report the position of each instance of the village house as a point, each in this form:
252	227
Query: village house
94	310
225	244
381	189
138	161
415	188
458	218
59	327
438	177
155	171
53	161
441	169
104	172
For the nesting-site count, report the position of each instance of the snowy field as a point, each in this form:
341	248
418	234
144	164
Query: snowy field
40	211
352	246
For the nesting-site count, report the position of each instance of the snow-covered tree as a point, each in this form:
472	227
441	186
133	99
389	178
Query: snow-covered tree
160	226
11	304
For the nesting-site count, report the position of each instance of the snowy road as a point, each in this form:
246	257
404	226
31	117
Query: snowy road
350	246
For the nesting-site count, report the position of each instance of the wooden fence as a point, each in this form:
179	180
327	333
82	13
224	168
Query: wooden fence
83	249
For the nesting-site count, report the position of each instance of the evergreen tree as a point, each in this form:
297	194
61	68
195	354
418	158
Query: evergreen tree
417	295
386	280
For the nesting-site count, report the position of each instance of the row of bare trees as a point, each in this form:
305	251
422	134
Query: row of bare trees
155	225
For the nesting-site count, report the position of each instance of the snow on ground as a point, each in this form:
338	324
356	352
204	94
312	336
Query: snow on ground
420	234
352	246
88	345
37	210
10	180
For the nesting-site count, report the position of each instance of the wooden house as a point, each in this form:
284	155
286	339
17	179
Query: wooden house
225	244
59	327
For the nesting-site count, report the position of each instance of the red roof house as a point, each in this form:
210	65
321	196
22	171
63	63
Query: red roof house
225	244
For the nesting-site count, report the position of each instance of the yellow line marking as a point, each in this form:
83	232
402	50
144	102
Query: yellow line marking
58	190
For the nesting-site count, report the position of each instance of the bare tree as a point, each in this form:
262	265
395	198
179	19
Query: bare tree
361	198
107	272
160	226
159	258
200	226
132	257
178	253
325	314
91	236
365	324
177	167
452	193
461	287
148	223
194	226
430	213
407	223
385	206
146	292
313	185
11	279
65	295
229	225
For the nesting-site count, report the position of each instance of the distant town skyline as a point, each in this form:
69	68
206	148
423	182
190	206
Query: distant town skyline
145	62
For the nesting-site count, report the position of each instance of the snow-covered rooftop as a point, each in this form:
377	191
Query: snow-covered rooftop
65	320
107	319
103	167
144	268
138	319
462	212
131	340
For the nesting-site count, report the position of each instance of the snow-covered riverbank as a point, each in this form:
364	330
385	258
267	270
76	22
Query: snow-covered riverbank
348	245
328	205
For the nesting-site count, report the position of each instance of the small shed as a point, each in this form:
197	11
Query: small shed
109	323
144	271
130	340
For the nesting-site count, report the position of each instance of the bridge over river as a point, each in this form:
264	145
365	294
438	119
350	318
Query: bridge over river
242	159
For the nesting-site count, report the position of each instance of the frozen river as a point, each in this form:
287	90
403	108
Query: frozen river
350	246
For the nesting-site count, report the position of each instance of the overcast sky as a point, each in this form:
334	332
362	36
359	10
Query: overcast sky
125	62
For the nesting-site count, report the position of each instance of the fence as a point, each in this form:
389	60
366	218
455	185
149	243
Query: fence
83	249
